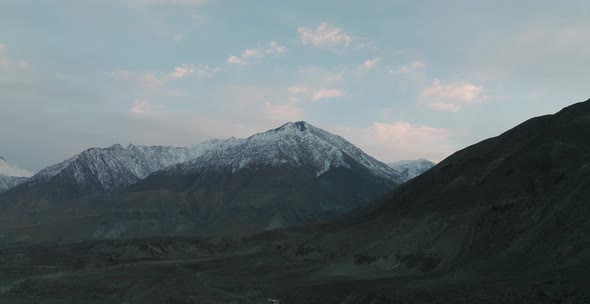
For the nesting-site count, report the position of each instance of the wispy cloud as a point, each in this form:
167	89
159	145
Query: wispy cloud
315	83
451	97
326	93
313	94
368	65
235	60
262	51
144	107
185	70
154	80
182	71
324	36
413	67
272	48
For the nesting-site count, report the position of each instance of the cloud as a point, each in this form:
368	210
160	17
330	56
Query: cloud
368	65
267	107
153	80
326	93
272	48
234	60
182	71
450	97
263	51
313	94
185	70
144	107
324	36
401	140
313	83
410	68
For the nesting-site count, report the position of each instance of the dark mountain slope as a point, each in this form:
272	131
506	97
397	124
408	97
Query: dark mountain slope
514	206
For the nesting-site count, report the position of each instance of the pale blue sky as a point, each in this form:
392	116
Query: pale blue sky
400	79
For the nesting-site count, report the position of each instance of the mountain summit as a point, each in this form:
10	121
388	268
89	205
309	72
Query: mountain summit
292	174
295	144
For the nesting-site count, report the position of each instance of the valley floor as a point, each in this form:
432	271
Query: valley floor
194	271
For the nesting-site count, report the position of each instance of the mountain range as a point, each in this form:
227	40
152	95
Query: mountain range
506	220
293	174
101	170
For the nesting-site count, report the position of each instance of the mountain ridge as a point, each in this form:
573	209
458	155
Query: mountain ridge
297	173
115	167
11	175
281	141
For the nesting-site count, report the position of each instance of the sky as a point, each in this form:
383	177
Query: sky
401	79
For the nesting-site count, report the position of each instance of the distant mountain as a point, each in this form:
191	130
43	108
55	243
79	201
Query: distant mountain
101	170
409	169
294	174
11	175
292	145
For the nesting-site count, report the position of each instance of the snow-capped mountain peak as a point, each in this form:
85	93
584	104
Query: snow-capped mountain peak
294	144
115	167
